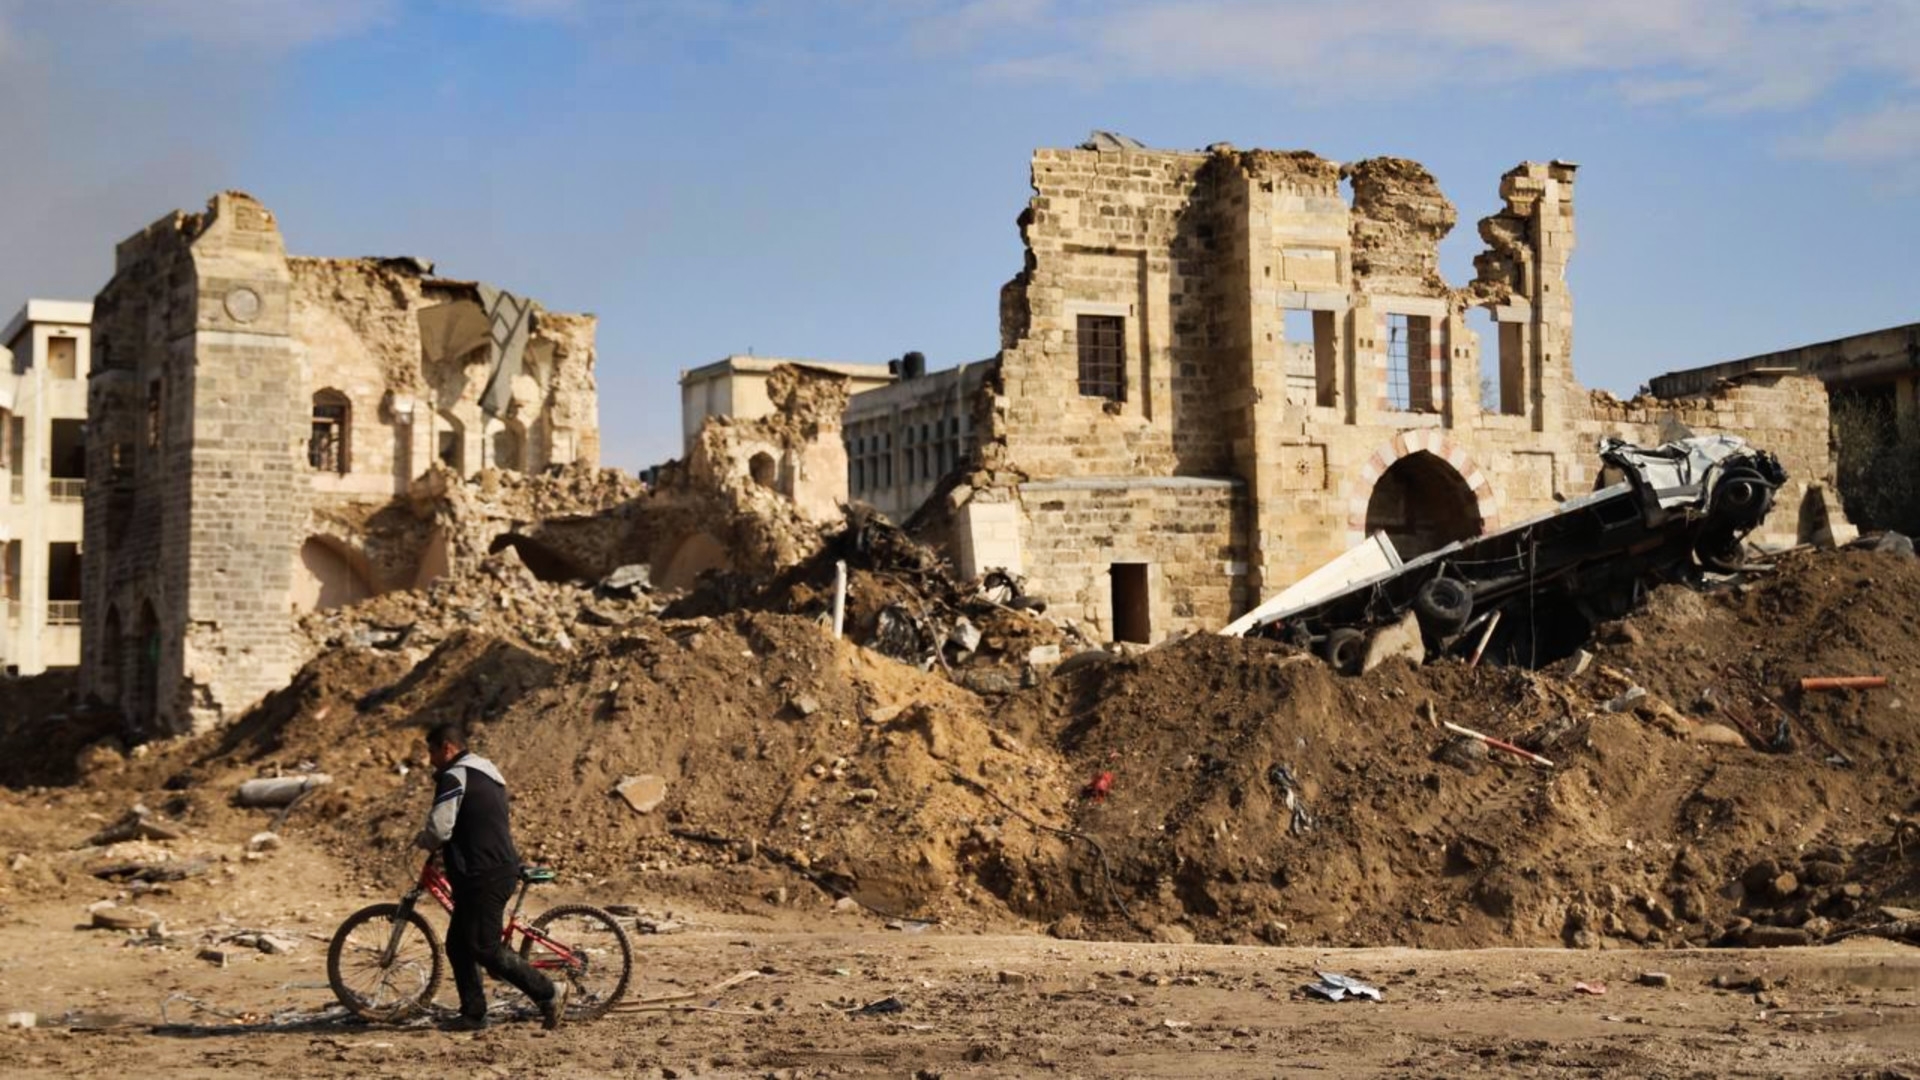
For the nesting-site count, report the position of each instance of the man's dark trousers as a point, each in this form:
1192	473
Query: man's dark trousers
473	941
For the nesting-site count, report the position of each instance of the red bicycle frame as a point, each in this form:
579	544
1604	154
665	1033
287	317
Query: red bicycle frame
433	882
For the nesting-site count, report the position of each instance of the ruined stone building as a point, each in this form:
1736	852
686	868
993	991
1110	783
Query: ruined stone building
44	352
257	424
1220	370
1873	380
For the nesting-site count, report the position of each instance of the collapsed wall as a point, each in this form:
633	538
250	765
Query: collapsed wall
259	424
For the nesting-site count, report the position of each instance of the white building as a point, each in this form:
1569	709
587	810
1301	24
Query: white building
44	354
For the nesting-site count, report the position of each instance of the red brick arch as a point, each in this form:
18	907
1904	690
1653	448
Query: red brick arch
1479	482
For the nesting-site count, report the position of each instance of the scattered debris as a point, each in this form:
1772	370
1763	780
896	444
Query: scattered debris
1655	978
1592	989
1497	743
135	824
1844	682
279	790
1334	987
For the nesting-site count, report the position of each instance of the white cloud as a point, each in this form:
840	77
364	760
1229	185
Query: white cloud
1727	54
1888	135
270	24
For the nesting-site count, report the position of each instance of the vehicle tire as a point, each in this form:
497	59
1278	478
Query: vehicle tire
1344	650
603	965
385	993
1723	554
1444	605
1742	498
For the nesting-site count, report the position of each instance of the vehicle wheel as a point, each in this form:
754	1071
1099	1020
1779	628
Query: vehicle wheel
598	957
1444	605
1743	498
400	988
1723	554
1345	650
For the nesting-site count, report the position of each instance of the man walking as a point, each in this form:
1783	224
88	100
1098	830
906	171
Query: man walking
468	827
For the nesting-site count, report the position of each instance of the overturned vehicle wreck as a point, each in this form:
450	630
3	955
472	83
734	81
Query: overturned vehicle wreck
1532	592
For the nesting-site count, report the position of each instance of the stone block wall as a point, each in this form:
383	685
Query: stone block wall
1186	531
1204	256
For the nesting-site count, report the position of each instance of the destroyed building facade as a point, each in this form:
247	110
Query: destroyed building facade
257	424
1220	370
44	352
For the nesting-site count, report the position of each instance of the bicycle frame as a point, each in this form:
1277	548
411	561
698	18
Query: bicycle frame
433	882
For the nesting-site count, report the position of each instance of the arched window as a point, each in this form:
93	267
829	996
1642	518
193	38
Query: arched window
332	421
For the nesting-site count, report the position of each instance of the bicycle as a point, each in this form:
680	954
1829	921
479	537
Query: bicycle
385	962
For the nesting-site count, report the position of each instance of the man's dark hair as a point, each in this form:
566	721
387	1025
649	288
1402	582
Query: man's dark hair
448	733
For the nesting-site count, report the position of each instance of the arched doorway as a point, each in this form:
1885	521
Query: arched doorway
1422	505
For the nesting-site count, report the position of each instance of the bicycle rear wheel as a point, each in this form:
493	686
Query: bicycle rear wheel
385	965
586	947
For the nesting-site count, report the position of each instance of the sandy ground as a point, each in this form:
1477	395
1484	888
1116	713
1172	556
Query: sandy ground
974	1005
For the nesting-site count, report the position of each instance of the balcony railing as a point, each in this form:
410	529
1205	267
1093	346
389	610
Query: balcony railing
66	489
63	613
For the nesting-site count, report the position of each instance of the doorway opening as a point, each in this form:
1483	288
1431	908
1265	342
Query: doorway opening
1422	505
1131	621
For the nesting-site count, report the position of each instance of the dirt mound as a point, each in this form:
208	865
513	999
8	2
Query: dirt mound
1254	794
1229	789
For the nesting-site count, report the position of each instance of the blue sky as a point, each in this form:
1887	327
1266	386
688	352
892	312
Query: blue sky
839	178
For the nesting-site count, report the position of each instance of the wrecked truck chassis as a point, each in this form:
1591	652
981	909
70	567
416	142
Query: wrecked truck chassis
1546	580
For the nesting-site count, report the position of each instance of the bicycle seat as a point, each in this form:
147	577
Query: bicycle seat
536	875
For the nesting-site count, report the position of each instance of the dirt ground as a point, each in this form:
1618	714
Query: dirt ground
973	1004
1102	867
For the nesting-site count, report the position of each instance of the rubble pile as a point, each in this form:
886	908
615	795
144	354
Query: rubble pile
904	601
1213	788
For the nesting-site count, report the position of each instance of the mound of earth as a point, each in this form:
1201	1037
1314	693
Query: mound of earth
1226	789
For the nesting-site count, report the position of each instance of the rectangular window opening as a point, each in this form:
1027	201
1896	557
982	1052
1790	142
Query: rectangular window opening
1312	376
326	444
1410	364
1513	368
63	572
62	357
1131	619
1103	356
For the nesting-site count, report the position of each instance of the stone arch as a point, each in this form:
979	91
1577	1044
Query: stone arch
1461	480
688	558
330	575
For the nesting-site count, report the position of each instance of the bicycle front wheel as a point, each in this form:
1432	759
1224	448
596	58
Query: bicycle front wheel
586	947
384	964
